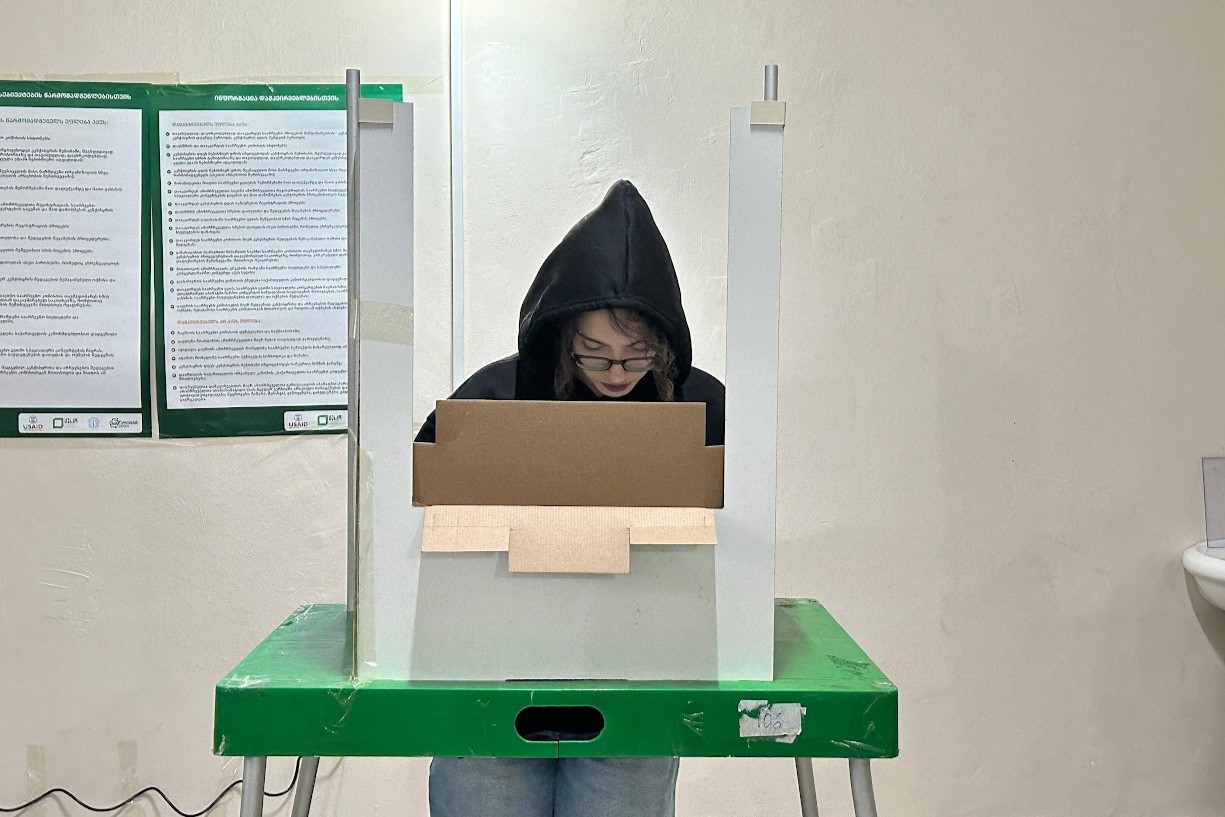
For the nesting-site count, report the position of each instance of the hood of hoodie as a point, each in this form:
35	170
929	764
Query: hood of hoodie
614	257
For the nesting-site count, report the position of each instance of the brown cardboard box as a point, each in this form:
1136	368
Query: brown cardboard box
567	487
518	452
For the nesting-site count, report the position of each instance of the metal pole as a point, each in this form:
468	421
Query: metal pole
306	787
253	772
353	91
771	83
457	193
861	788
808	787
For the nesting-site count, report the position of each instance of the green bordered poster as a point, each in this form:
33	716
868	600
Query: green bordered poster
250	258
74	260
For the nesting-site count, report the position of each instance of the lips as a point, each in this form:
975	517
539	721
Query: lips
617	389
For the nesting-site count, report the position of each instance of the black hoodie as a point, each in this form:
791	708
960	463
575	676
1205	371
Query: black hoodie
614	257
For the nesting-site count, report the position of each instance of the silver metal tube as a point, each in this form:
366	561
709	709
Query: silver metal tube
861	788
808	786
353	92
457	193
254	770
771	83
306	787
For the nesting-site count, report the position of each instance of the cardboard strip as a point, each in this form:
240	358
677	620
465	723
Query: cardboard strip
389	323
569	549
565	539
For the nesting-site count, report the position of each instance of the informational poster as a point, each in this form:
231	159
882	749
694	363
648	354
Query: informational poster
251	258
74	260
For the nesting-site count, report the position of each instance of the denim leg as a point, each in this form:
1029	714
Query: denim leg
492	787
616	787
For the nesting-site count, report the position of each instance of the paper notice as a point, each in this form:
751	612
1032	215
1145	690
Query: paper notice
70	257
255	282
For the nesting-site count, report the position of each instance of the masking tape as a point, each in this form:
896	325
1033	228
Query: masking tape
673	535
465	540
365	502
163	78
376	111
781	723
389	323
230	768
364	569
417	84
767	112
129	777
96	443
36	777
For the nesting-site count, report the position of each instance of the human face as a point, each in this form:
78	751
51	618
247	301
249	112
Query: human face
596	335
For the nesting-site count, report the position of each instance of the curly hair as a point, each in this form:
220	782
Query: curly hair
629	323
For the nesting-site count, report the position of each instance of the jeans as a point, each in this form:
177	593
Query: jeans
553	787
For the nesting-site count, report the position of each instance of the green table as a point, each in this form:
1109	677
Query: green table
294	695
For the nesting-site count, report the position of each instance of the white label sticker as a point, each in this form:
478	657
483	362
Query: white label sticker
778	722
316	420
81	423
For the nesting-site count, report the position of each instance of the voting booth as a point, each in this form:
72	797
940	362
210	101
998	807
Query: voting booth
490	555
493	585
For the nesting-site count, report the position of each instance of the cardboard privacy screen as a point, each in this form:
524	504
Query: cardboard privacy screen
567	487
520	452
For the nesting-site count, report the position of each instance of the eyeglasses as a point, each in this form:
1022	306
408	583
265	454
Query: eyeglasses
634	365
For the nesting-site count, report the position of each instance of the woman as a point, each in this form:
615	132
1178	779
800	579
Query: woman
602	321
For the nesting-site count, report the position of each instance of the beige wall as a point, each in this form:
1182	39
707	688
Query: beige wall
1003	333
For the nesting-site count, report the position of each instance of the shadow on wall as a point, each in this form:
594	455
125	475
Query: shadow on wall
1211	619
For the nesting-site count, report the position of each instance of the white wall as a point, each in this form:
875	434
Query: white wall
1002	342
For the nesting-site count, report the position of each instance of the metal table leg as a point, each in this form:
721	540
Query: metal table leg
861	788
306	787
254	770
808	786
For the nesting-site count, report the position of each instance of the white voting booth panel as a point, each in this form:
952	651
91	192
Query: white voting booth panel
385	525
683	613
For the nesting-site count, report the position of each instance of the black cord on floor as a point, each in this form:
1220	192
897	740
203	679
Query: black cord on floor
153	790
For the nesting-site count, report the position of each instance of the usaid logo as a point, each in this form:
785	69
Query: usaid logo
296	421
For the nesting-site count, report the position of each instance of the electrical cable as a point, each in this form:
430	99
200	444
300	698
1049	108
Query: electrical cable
152	790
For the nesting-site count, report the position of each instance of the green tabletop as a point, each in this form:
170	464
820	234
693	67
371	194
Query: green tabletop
294	695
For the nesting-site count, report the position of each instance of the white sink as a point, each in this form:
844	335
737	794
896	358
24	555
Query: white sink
1208	572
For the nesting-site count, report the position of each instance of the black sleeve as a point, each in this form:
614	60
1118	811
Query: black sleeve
494	382
701	387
